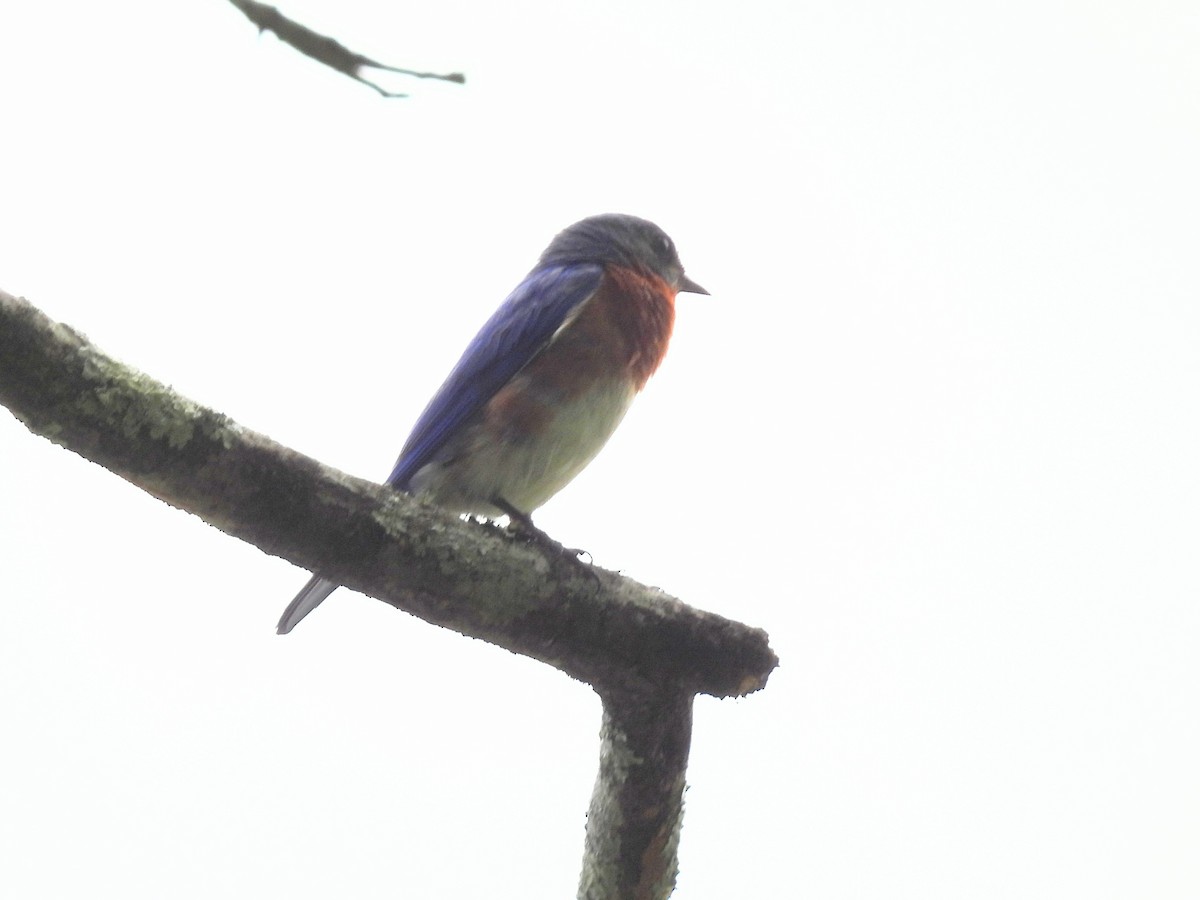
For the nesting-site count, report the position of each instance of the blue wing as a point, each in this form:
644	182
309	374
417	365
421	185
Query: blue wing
515	334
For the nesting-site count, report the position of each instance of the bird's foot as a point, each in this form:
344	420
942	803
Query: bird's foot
522	524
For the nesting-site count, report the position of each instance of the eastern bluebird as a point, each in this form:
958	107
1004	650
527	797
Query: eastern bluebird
545	382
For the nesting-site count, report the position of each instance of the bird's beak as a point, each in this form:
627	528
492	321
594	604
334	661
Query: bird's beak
686	284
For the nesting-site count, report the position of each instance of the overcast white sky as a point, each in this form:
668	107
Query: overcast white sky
935	430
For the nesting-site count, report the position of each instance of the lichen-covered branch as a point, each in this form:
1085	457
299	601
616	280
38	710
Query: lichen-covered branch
645	653
474	578
632	839
325	49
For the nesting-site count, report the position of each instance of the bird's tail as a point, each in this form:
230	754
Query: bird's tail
306	601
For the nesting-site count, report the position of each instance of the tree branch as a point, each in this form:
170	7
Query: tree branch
474	578
645	653
326	50
637	805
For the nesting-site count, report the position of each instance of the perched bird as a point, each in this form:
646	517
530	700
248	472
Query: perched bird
545	382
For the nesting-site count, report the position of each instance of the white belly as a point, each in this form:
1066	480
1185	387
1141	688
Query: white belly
525	471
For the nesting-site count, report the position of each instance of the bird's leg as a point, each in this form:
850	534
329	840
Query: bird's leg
523	523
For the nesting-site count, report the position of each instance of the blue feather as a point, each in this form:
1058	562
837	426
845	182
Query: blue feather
513	336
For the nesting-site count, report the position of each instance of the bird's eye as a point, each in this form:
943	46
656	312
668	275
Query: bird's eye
668	248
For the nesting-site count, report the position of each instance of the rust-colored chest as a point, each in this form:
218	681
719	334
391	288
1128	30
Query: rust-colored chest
628	322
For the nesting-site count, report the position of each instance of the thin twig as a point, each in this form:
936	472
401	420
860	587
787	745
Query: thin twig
326	50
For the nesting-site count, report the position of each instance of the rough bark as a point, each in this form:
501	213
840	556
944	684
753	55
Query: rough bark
637	804
646	653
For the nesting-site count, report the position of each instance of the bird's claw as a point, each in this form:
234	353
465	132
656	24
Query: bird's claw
521	525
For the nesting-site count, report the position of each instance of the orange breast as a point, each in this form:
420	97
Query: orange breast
632	314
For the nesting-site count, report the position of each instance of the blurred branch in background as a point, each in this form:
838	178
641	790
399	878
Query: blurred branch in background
326	50
646	654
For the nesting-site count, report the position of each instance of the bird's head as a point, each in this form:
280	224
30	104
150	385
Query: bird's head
623	240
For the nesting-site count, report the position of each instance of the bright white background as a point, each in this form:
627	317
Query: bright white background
936	430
